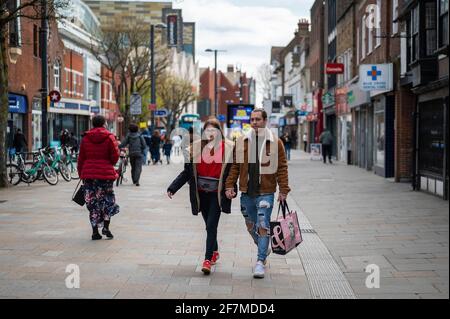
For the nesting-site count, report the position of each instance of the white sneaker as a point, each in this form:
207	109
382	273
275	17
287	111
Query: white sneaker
259	270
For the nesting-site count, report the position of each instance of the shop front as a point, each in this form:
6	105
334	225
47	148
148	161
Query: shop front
17	111
384	135
344	137
71	115
431	173
362	122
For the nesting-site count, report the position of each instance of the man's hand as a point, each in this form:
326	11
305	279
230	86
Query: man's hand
282	197
230	193
170	194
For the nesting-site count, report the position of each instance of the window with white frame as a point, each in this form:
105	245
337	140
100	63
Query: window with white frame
358	44
394	17
56	75
363	38
414	33
369	38
443	23
378	24
15	32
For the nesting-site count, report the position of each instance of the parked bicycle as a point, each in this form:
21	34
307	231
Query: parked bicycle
57	163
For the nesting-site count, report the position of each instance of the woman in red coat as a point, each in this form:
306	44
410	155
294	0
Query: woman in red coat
99	153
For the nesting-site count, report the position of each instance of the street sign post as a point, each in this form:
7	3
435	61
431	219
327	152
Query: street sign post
161	113
135	104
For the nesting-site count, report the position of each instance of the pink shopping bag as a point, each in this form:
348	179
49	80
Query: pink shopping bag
285	231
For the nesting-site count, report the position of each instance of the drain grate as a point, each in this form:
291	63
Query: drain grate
308	231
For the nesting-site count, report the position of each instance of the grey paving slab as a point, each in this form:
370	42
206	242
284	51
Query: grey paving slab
159	246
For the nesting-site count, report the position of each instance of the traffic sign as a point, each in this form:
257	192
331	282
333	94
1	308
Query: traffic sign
55	96
161	113
152	107
221	118
135	104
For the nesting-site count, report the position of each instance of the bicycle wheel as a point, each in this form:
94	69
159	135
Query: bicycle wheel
65	172
31	172
50	175
73	170
14	174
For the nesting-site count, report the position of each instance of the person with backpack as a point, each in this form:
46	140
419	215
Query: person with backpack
136	148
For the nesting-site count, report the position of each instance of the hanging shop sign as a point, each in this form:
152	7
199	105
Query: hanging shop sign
376	77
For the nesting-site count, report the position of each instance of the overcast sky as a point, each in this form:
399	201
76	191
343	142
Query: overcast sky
245	28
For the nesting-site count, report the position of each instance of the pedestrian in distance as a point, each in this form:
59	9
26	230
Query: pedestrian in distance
155	146
206	169
65	138
287	143
98	155
258	182
305	142
136	148
327	139
19	141
73	143
167	148
177	144
147	137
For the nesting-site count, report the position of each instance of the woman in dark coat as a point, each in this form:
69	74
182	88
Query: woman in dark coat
206	172
98	155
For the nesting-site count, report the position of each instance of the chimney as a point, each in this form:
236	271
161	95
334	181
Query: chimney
230	68
303	28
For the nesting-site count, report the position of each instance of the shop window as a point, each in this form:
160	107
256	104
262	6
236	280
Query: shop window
431	137
380	135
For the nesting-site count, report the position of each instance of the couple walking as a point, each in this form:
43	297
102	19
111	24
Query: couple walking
213	169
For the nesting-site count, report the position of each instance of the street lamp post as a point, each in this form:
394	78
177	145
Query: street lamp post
44	84
152	68
216	102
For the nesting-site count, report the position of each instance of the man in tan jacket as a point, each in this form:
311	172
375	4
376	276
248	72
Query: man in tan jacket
259	164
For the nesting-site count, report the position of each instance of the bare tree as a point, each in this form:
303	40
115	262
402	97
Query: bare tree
175	94
264	77
10	10
126	54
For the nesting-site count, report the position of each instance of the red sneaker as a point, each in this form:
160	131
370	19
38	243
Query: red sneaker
215	258
206	268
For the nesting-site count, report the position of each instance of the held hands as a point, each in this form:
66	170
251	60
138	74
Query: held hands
282	197
230	193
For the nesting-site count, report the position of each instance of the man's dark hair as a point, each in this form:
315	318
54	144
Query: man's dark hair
98	121
262	111
133	128
18	130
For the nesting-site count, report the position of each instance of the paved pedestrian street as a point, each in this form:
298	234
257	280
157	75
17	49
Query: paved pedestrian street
350	219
